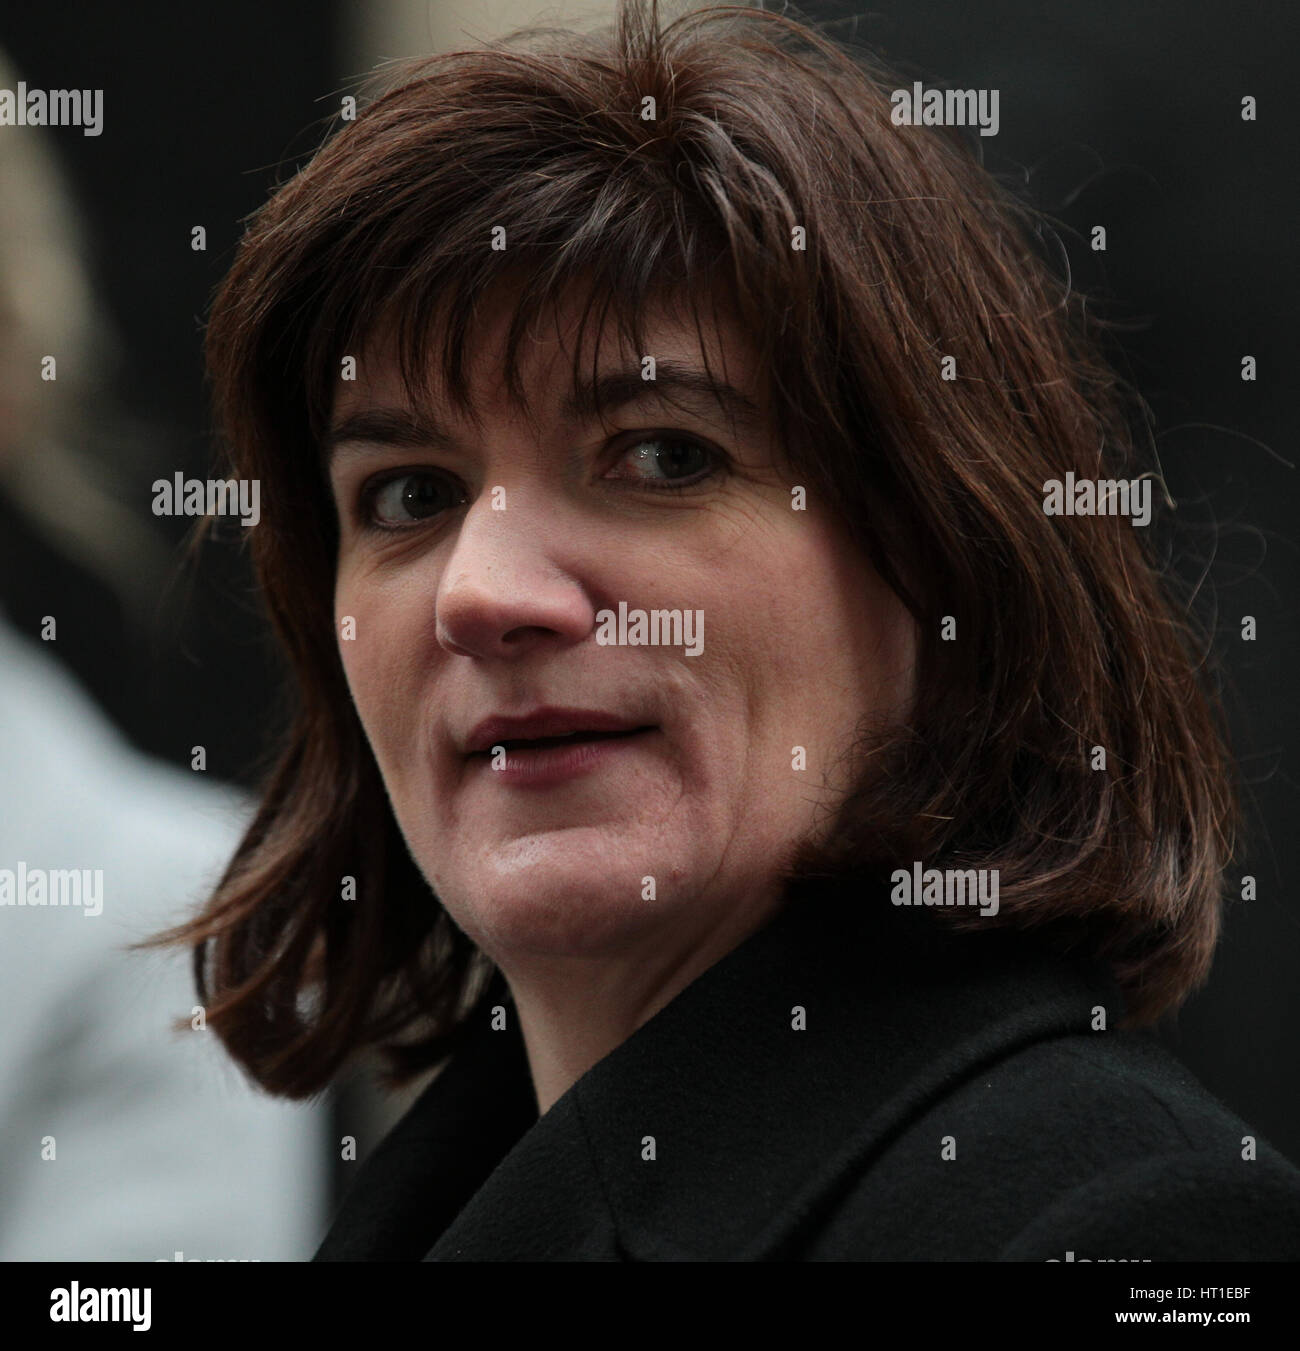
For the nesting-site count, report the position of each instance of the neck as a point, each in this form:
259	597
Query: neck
573	1011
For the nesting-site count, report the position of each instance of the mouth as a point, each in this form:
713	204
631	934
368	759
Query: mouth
568	739
532	763
549	727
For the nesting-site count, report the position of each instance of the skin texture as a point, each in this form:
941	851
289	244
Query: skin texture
471	612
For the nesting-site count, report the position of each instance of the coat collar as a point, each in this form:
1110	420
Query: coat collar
757	1124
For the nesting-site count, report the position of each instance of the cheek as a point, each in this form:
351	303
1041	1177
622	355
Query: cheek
353	624
838	642
795	610
375	660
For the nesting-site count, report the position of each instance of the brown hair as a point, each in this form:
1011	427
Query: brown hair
1067	636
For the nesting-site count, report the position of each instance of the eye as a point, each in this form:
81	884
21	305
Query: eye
408	497
667	460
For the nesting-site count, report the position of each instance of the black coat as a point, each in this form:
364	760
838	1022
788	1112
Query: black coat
952	1096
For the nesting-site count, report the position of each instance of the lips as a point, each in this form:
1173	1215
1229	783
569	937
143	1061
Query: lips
550	727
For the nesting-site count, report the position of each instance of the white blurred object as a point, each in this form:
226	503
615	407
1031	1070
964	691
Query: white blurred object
161	1145
370	33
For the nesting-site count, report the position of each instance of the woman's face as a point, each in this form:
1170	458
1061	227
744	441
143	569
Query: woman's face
476	559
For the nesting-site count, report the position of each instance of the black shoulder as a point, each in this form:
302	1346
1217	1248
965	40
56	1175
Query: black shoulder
1099	1145
1193	1206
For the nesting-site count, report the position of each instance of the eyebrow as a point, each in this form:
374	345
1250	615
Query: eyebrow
674	382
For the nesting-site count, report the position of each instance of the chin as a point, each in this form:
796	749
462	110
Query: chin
558	917
576	891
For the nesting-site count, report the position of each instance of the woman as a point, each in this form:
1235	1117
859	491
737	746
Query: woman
716	747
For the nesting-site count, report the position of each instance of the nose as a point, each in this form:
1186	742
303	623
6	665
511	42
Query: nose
503	592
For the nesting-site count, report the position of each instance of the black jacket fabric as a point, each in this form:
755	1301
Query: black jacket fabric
942	1096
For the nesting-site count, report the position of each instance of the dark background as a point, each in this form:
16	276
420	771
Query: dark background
1114	114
